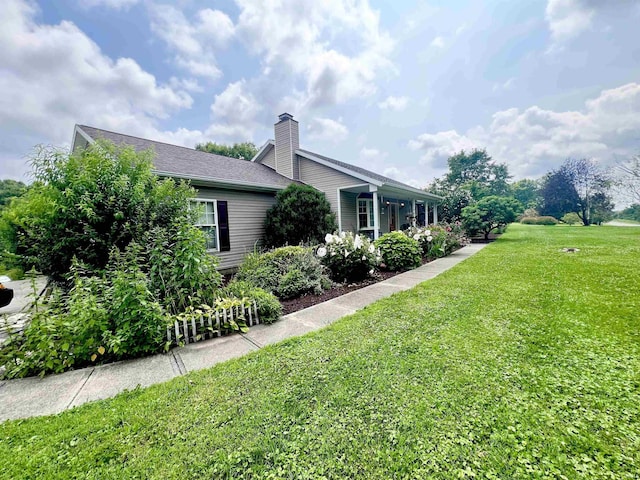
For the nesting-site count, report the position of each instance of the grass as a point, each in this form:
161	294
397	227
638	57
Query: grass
630	222
521	362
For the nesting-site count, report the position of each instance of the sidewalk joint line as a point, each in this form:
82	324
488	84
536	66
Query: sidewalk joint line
80	389
250	340
179	364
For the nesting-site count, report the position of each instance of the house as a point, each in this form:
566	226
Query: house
235	194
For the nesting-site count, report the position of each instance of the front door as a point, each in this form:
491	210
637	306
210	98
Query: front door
393	216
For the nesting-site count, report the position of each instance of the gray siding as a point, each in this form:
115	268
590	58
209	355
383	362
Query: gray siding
348	209
325	179
287	141
246	216
270	158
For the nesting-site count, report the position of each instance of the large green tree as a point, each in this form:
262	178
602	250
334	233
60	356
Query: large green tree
558	194
526	192
10	189
243	151
84	204
478	173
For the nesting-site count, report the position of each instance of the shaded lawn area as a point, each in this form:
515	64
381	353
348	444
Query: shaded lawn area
521	362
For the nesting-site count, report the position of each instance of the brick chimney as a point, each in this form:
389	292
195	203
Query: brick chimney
287	142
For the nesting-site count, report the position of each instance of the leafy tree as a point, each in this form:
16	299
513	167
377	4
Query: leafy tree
453	200
629	178
301	214
478	173
490	213
632	212
558	194
85	204
243	151
591	184
10	189
601	208
526	192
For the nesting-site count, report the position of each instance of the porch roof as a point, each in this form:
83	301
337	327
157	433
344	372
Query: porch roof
375	179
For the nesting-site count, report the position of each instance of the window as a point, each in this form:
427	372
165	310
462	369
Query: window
207	220
365	213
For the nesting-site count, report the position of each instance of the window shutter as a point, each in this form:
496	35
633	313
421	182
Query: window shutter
223	226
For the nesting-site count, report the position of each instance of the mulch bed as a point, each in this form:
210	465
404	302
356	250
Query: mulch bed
295	304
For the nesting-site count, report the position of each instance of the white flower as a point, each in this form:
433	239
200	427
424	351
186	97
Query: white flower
429	238
427	232
416	236
371	272
328	238
346	253
343	234
364	257
357	243
321	252
372	248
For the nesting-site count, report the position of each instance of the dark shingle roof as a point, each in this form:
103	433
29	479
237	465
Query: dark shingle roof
187	162
367	173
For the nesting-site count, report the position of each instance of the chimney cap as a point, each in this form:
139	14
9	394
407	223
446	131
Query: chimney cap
285	116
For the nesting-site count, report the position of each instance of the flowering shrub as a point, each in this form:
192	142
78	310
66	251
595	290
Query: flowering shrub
349	258
438	240
398	251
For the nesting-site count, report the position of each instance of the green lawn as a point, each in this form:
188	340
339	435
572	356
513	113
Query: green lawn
522	362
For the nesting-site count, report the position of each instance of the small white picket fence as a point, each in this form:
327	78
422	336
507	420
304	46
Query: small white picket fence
211	324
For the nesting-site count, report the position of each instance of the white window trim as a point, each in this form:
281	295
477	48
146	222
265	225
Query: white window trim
215	214
369	203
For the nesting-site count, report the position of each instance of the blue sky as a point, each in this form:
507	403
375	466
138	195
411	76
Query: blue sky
393	86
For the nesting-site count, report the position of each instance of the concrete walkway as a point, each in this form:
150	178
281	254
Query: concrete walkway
49	395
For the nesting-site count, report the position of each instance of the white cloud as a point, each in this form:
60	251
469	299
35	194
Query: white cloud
368	155
326	129
394	103
568	18
115	4
235	112
53	76
194	42
536	140
437	42
303	42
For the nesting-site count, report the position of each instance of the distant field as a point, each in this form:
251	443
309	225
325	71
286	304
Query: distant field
521	362
629	222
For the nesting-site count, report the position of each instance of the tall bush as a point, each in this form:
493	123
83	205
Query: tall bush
300	215
84	204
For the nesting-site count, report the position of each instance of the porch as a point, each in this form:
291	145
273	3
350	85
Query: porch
373	210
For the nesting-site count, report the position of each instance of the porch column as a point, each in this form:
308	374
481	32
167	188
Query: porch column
426	213
435	213
414	212
376	216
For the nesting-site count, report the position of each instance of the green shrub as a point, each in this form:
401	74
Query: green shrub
99	319
571	218
84	204
269	308
181	271
544	220
398	251
301	215
348	258
287	272
138	322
